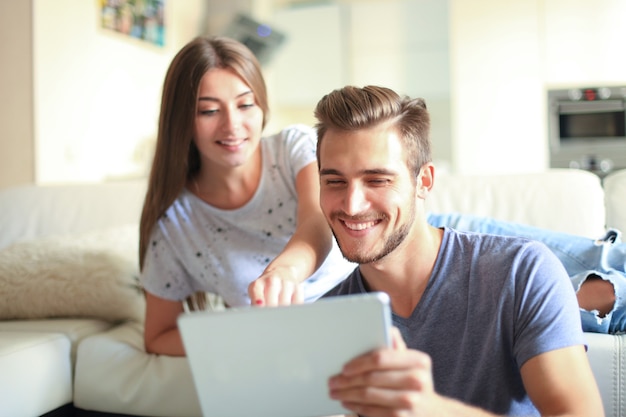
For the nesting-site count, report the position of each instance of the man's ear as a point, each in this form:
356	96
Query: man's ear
425	180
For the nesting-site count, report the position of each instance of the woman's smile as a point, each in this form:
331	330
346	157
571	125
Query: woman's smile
232	144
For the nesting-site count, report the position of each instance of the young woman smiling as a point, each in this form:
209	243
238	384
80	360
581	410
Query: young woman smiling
228	211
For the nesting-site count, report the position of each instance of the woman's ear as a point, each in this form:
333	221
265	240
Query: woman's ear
425	180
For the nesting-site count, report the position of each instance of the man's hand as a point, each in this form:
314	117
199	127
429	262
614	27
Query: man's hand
390	381
277	287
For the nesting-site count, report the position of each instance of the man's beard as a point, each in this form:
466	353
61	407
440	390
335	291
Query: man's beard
392	242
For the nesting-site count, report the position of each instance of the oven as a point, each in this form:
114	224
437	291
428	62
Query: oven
587	128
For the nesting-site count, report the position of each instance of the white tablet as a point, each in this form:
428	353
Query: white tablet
276	361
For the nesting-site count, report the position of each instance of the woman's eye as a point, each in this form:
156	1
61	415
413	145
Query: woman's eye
247	105
208	112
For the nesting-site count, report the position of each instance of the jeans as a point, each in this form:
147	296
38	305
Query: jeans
581	256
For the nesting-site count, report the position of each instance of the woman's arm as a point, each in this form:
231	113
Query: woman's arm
304	253
161	334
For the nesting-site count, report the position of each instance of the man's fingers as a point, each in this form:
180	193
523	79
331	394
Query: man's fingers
402	379
387	359
397	341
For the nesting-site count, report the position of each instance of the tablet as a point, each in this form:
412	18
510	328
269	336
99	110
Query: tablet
276	361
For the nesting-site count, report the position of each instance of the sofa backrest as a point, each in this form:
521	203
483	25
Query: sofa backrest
565	200
37	211
571	201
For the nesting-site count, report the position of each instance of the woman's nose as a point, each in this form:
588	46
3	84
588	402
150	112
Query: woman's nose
233	120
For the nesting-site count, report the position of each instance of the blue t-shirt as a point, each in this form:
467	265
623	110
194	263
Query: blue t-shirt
492	303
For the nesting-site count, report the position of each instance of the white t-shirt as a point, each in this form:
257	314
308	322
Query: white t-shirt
197	247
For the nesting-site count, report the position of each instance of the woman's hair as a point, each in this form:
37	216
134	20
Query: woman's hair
176	157
351	108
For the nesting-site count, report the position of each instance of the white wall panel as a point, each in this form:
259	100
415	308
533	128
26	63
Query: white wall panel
97	92
311	61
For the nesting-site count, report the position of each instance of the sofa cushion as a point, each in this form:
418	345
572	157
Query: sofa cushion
36	374
136	383
74	329
91	275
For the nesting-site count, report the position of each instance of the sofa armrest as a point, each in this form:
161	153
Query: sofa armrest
607	355
615	193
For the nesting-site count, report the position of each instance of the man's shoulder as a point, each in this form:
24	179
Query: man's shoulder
493	241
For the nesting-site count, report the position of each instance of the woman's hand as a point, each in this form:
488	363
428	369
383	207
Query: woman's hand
276	287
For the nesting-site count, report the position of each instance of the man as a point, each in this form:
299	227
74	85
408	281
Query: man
491	323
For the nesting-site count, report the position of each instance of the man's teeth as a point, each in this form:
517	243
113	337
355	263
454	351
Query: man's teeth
359	226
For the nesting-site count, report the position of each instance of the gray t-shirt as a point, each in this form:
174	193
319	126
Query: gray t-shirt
197	247
491	304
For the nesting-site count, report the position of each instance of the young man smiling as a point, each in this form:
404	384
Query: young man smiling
488	325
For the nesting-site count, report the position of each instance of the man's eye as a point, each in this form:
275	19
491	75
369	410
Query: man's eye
379	181
334	182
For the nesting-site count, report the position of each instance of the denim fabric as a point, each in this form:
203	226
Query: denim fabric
581	256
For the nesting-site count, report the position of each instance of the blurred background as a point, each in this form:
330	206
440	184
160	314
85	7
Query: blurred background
81	96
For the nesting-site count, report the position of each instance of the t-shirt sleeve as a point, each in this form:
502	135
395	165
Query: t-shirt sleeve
163	274
301	143
546	309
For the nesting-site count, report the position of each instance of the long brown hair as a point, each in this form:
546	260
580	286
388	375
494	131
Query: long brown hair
176	157
353	108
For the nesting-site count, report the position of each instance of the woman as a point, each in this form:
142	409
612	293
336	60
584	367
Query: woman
227	212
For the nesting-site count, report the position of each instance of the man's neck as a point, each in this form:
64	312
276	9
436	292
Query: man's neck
404	273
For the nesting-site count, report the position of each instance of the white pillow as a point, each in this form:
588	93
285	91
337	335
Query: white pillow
90	275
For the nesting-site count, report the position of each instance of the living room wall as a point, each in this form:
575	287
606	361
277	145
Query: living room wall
487	78
504	58
87	98
81	103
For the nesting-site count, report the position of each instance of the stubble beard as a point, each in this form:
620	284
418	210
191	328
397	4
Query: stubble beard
358	255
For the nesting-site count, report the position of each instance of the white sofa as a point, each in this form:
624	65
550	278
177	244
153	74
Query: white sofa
95	360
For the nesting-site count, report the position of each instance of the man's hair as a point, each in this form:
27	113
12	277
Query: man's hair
352	108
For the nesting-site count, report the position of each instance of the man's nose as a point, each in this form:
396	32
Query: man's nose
355	200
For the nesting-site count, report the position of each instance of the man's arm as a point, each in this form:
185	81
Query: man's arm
561	383
395	381
399	380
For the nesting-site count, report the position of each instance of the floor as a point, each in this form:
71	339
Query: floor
70	411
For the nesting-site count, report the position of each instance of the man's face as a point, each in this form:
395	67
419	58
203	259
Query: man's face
367	193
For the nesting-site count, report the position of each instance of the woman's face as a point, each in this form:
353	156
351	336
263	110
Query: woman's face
228	122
